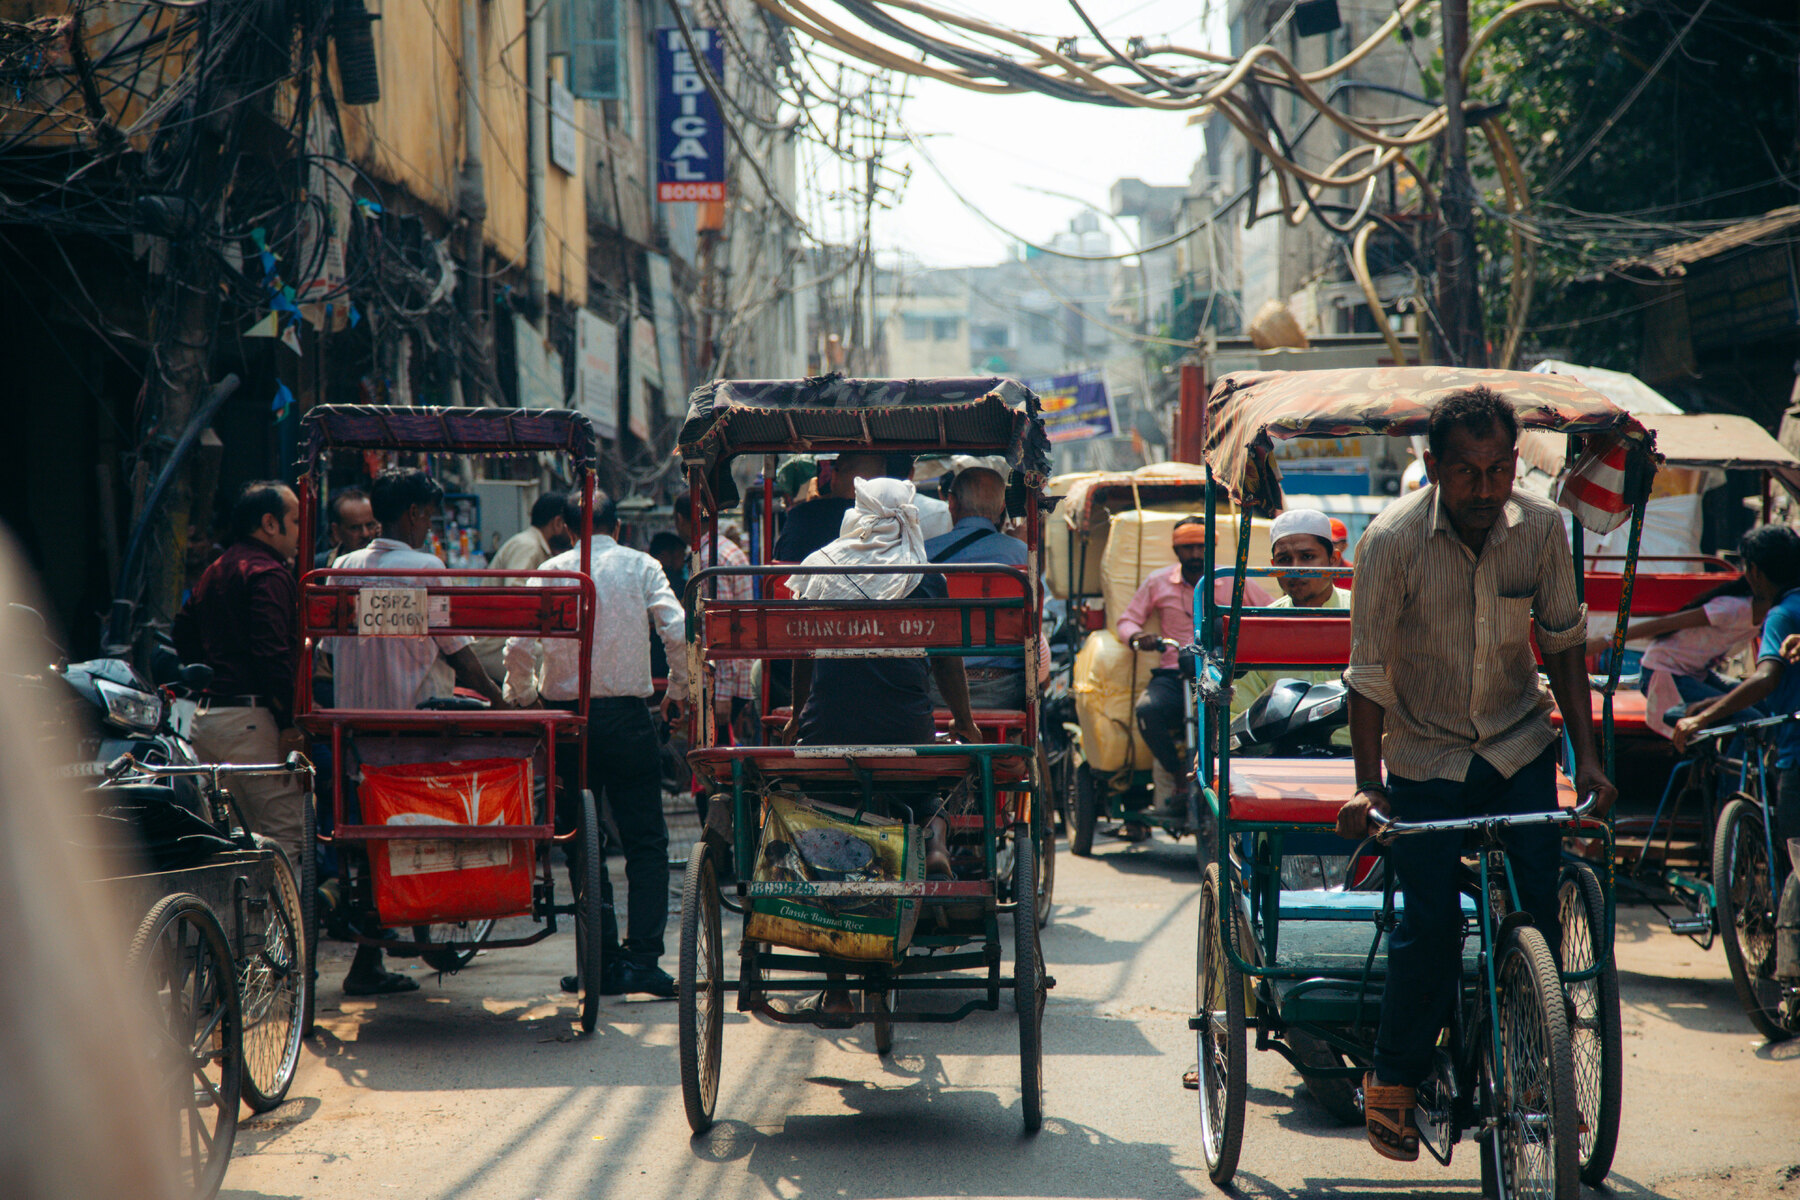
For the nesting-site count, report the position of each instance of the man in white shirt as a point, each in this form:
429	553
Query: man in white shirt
398	672
402	672
622	742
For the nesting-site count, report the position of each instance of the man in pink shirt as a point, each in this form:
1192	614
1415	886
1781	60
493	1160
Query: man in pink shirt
1168	596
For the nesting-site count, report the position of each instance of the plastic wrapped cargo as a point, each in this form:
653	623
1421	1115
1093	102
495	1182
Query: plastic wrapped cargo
1139	544
1108	677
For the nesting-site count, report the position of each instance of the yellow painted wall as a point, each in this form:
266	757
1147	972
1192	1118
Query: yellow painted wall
413	137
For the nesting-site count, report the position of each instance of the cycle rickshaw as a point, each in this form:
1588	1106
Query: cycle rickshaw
989	793
1103	771
1303	964
444	817
1706	856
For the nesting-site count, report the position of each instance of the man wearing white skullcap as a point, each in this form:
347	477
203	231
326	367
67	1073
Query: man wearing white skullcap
1299	537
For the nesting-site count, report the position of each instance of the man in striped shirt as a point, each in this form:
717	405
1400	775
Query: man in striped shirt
1451	582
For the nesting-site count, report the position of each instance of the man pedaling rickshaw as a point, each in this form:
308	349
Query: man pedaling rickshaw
1450	583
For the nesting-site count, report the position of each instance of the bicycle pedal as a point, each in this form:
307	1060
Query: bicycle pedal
1689	926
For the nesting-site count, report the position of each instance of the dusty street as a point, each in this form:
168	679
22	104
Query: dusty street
478	1086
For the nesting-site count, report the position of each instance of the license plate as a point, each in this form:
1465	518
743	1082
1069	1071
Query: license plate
399	611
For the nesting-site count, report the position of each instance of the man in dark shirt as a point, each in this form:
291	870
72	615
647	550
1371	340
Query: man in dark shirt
811	525
353	525
240	621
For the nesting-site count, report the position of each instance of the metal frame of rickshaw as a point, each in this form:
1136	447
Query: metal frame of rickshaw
499	605
961	955
1254	884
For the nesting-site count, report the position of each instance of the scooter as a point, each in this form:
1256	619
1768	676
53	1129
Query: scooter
1293	719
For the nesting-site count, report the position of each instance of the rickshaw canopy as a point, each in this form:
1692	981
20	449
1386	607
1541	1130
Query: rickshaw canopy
833	414
1248	409
446	430
1719	441
1092	493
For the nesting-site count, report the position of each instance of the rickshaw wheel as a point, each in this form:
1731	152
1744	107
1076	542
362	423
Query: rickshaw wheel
700	989
182	958
1086	814
590	954
1534	1081
1028	982
1745	886
1219	1003
308	879
274	987
1046	874
450	958
1595	1040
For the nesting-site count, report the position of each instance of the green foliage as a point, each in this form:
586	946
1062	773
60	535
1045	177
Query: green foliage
1710	137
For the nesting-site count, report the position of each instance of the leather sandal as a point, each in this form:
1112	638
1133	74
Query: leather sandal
1388	1115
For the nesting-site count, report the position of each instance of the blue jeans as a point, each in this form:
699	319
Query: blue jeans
1424	966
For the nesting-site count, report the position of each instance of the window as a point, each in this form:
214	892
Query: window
944	329
591	39
991	337
1042	328
917	329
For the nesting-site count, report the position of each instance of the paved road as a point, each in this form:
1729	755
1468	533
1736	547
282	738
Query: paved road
478	1086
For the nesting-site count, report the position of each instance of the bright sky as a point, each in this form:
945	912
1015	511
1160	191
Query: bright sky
996	149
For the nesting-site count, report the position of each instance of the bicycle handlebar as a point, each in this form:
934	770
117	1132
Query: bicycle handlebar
296	763
1388	829
1725	731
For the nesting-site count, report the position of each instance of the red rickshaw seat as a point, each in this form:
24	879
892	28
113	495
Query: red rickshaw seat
820	761
1630	713
1310	790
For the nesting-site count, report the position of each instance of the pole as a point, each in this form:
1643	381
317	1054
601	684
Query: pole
1458	295
537	157
471	205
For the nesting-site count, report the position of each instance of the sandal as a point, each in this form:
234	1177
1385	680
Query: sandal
1190	1079
813	1009
1388	1113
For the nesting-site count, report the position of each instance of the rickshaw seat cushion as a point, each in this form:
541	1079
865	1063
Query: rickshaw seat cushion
1306	791
1004	719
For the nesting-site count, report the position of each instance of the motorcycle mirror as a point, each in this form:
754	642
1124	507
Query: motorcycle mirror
196	676
43	626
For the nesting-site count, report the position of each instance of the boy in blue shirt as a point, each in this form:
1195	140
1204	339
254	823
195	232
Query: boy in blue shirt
1771	557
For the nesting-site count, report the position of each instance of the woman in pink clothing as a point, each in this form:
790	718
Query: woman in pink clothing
1680	667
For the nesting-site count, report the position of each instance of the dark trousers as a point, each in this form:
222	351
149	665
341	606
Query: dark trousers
1162	719
623	768
1424	969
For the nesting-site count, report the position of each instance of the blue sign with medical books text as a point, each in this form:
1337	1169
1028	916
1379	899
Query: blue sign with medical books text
1076	407
690	135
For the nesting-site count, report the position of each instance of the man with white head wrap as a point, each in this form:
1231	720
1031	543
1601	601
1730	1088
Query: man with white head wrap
875	701
1299	538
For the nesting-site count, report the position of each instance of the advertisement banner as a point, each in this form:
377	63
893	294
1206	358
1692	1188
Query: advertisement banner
597	372
1076	407
690	136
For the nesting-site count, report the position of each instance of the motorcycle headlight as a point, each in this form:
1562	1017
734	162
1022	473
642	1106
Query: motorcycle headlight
130	708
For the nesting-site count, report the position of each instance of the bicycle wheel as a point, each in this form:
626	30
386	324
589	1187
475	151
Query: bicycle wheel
1595	1039
273	983
1745	887
700	990
467	936
590	956
1219	1006
181	955
1535	1084
1028	984
1046	872
1086	814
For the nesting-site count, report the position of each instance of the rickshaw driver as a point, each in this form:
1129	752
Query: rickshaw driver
1450	582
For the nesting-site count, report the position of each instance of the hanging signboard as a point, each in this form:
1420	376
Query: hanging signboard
597	372
1076	407
565	148
690	136
540	367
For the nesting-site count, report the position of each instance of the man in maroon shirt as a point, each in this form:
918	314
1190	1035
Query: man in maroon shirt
240	621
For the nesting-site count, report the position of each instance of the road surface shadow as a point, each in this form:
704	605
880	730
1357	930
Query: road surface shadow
1702	1005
